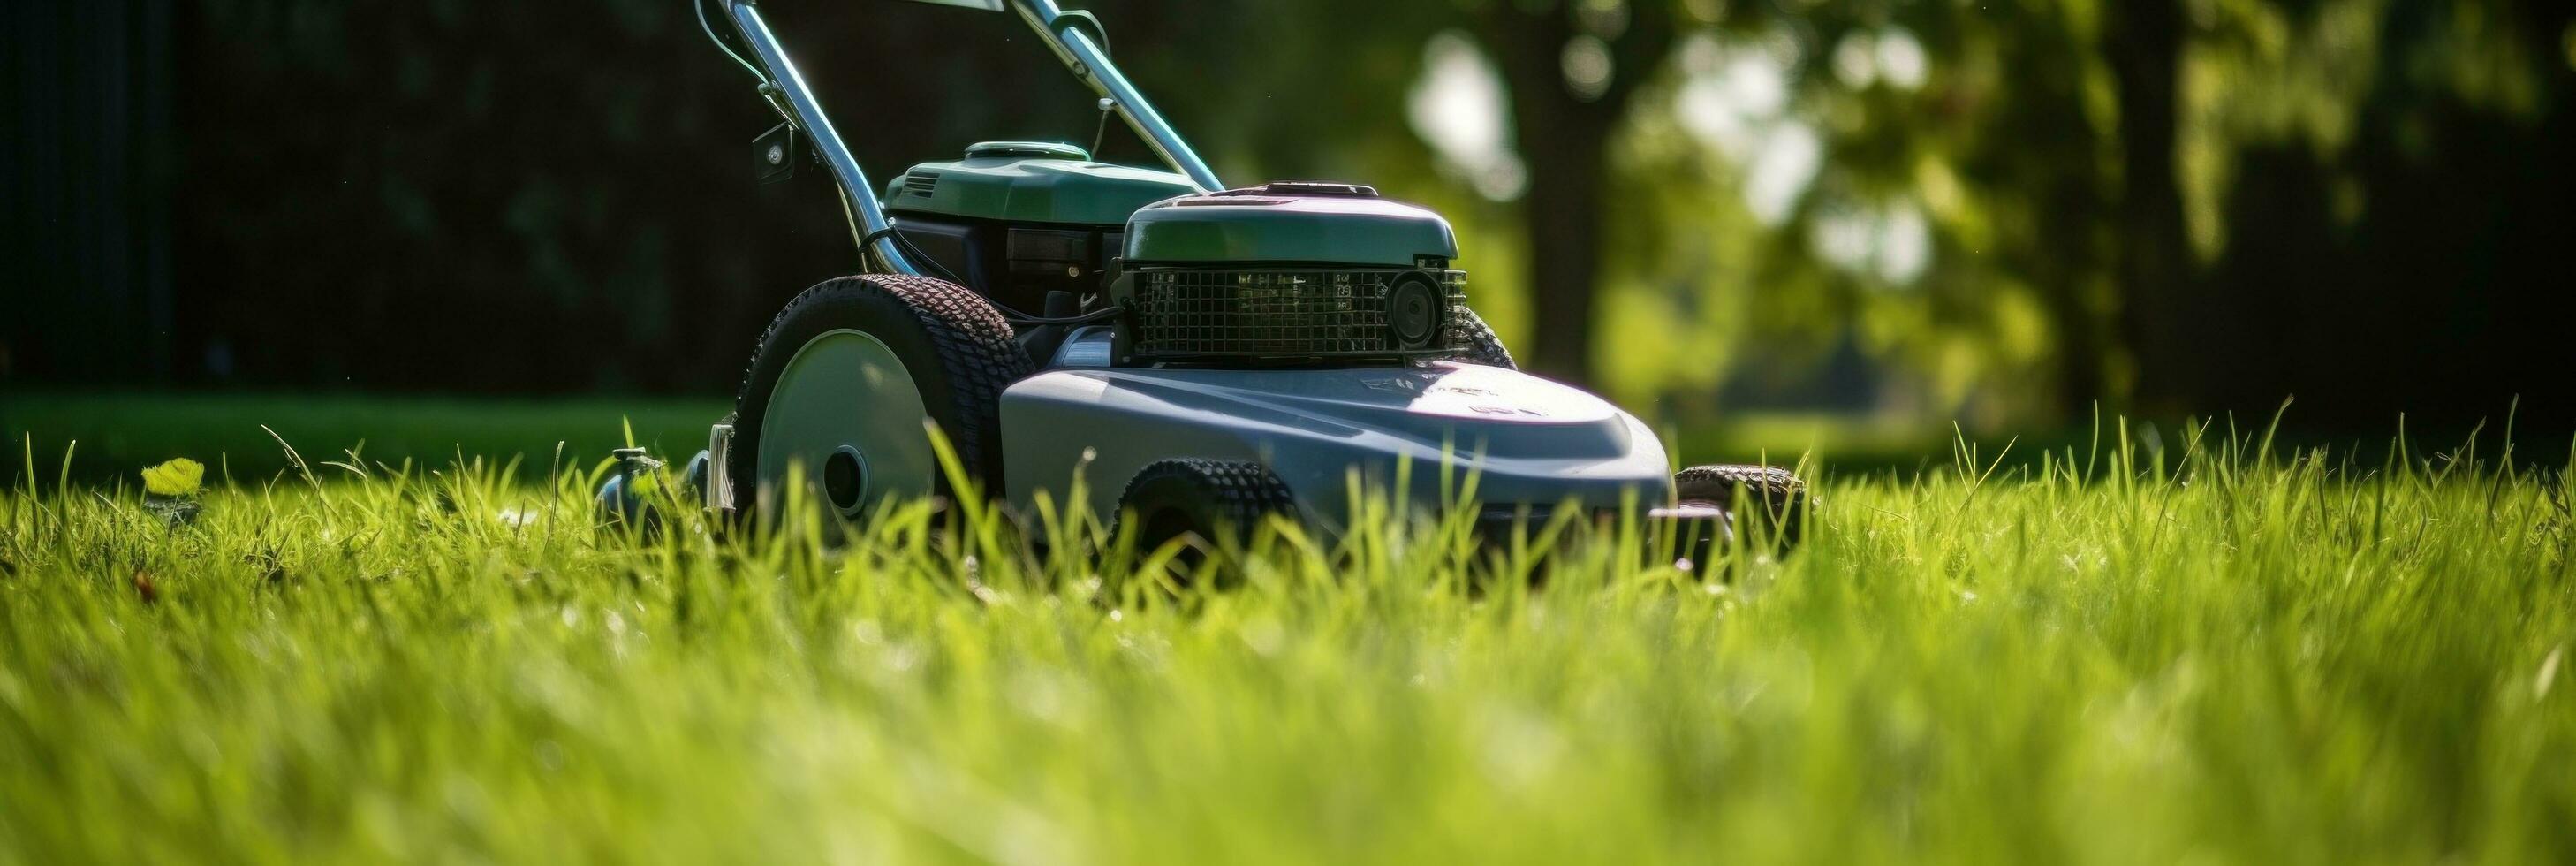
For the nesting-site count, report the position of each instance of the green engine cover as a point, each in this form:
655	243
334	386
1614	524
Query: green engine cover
1307	223
1031	182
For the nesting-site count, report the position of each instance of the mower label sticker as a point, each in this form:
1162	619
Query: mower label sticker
1481	392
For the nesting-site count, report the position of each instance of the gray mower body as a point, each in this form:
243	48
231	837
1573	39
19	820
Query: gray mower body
1522	439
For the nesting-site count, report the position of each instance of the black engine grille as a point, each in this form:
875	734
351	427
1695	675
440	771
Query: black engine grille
1283	313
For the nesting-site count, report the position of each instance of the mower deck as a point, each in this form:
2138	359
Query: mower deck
1529	441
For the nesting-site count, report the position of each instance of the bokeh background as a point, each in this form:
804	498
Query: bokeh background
1875	215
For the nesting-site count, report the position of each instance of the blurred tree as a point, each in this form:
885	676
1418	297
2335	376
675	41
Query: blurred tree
2004	209
1572	69
2217	203
2144	43
2381	192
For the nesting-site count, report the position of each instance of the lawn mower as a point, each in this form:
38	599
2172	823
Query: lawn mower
1206	355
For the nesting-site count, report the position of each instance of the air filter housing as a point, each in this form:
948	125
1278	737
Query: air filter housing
1286	273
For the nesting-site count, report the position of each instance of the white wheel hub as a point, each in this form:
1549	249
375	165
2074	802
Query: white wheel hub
847	416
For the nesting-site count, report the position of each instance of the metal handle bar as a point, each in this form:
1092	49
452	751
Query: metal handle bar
1091	65
1076	49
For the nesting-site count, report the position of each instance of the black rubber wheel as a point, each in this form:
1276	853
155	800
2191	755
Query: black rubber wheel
1767	496
1218	502
1482	346
956	347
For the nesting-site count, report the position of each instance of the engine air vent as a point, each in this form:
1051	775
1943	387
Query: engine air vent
1186	313
921	183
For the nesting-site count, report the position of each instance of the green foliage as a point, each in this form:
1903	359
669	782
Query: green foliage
1997	211
2221	653
2010	210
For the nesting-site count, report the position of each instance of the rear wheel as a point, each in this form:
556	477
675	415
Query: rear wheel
844	380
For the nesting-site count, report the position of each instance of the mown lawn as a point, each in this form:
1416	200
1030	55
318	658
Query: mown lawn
95	438
2225	656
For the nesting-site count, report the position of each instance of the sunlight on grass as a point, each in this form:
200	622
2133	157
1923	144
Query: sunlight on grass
2226	654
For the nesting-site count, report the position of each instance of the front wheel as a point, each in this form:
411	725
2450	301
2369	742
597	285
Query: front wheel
1768	501
1201	503
844	382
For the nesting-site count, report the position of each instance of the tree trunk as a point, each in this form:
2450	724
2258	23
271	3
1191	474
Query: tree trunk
1562	214
1564	140
2153	269
2083	378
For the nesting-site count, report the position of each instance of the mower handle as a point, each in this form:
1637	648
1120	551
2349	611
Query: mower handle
1080	54
1090	64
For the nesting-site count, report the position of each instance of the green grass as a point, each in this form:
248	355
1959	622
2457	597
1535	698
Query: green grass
2224	656
120	432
